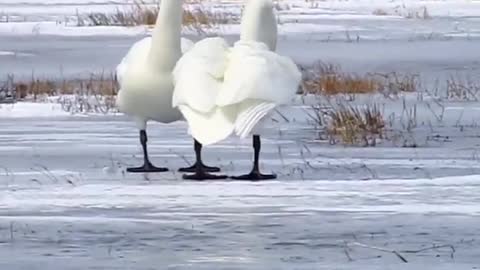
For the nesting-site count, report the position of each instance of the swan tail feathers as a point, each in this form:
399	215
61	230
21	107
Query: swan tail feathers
198	75
209	128
255	72
251	116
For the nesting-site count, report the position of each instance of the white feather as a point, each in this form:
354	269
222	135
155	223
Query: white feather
250	114
212	126
140	46
220	91
255	72
146	93
198	75
186	44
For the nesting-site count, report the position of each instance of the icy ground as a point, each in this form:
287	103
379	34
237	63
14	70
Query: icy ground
66	202
41	37
65	57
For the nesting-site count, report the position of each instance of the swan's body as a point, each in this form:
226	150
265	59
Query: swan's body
139	50
222	90
145	92
145	76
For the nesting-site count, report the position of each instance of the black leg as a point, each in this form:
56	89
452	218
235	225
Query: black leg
198	156
255	174
147	165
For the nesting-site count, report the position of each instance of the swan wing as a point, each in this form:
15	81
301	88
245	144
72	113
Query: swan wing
210	127
249	114
198	75
186	44
142	47
139	47
255	72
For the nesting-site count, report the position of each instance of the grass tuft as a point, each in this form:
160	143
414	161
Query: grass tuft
462	89
34	88
95	94
141	13
329	79
354	126
402	11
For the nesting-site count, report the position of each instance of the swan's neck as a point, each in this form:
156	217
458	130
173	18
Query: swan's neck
166	49
259	23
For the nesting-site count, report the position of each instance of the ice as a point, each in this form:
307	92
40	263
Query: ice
66	201
66	197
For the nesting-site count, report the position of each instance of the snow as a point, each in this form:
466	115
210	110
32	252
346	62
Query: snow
52	28
26	110
449	18
65	197
66	201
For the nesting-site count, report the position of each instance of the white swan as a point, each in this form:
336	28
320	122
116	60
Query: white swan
145	78
222	90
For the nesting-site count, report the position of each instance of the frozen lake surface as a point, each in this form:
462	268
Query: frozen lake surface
66	202
42	37
64	57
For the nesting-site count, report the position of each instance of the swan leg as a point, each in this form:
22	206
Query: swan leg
198	155
200	172
147	165
255	174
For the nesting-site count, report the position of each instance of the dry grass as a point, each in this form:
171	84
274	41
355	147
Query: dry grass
462	89
141	13
394	83
380	12
402	11
355	126
328	79
93	95
422	14
35	88
7	91
4	18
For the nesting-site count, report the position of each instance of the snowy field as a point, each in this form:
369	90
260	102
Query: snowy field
43	37
67	203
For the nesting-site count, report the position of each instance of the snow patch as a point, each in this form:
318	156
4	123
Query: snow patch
53	28
30	109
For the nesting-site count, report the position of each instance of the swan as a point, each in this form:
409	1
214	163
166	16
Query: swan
145	79
223	90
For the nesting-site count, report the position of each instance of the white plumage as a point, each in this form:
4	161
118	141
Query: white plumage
145	77
145	93
145	73
140	49
222	90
